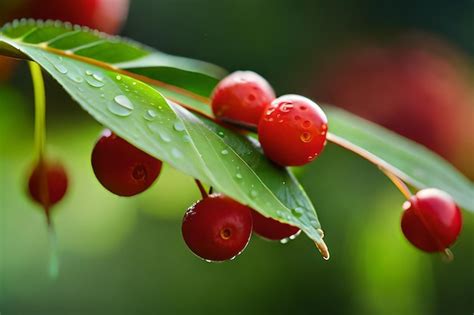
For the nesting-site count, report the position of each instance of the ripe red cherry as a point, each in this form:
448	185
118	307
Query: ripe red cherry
292	131
431	220
48	183
272	229
121	168
217	228
241	98
104	15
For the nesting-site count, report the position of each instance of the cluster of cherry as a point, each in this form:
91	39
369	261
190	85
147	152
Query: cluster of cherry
292	131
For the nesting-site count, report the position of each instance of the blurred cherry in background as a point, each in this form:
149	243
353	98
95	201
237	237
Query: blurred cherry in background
416	86
105	15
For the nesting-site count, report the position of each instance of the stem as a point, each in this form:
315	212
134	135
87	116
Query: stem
201	188
398	183
53	250
40	109
386	168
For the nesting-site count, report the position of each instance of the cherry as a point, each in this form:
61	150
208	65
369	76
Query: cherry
241	98
217	228
292	131
48	183
272	229
104	15
121	168
431	220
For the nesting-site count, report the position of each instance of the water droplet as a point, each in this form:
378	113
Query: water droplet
306	124
98	77
94	83
150	115
60	67
314	222
75	77
176	153
102	95
253	193
324	127
284	241
221	134
134	83
88	72
306	137
238	176
280	214
118	77
297	117
286	107
297	212
121	106
178	126
224	152
165	137
303	107
187	138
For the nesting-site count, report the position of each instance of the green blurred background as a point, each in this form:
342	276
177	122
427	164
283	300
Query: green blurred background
126	256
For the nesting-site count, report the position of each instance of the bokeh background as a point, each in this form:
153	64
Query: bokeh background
404	64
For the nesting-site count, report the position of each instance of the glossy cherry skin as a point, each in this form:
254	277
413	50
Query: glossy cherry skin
292	131
122	168
272	229
241	98
431	220
48	183
217	228
104	15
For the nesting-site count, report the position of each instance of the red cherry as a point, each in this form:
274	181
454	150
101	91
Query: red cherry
48	183
241	98
121	168
104	15
217	228
431	220
292	131
272	229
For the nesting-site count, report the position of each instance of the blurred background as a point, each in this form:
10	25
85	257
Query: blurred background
407	65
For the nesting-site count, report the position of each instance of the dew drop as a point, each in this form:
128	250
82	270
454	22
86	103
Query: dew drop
98	77
150	115
284	241
286	107
165	137
306	124
187	138
88	72
61	68
253	193
94	83
238	176
297	212
280	214
121	106
221	134
306	137
224	152
178	126
75	77
297	117
118	77
176	153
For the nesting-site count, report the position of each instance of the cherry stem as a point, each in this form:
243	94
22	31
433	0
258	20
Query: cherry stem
53	248
383	166
201	188
40	109
398	183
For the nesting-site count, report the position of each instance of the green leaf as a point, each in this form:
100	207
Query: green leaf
408	160
232	163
